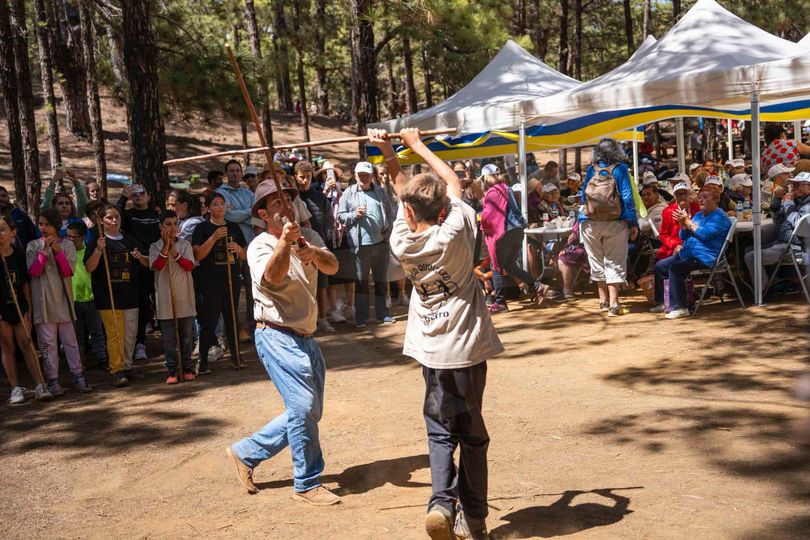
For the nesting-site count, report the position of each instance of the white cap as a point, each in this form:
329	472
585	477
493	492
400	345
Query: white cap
729	162
779	169
517	188
682	185
364	167
693	166
548	188
649	178
680	177
491	169
251	169
801	177
739	162
574	176
741	180
713	180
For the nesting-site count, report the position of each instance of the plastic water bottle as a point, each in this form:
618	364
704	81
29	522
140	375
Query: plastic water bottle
739	210
748	212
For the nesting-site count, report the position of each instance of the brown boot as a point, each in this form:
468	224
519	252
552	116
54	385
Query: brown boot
319	496
439	524
244	472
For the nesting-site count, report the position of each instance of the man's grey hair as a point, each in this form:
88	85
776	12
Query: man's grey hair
608	151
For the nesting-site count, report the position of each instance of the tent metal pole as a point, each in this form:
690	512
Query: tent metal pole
524	198
730	131
635	158
680	145
757	195
797	131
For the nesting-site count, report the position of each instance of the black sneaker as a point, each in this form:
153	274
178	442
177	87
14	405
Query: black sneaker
120	379
202	367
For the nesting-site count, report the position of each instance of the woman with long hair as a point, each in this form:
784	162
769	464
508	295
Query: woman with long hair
12	329
187	208
50	261
66	211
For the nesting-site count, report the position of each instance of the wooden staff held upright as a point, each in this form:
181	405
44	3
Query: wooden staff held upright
109	289
174	316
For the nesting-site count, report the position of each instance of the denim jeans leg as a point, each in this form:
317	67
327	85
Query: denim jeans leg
678	272
169	344
379	270
297	369
362	266
497	285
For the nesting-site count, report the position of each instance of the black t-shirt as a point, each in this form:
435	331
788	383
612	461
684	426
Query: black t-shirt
318	205
212	269
124	273
143	225
18	273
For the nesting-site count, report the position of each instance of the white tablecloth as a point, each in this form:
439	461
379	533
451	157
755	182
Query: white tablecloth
548	233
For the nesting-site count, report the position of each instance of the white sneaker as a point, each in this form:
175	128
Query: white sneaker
140	352
324	326
336	317
196	352
657	309
388	302
340	304
349	312
42	393
215	353
17	396
404	300
223	343
677	313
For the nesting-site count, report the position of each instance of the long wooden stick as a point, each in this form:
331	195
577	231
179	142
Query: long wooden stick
233	307
324	142
112	299
33	351
174	316
71	308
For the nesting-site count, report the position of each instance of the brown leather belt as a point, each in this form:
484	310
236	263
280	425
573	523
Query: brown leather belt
261	325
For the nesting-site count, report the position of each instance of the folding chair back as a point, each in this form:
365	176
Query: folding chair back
721	266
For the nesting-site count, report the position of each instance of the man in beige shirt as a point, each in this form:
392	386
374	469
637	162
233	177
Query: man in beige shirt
284	262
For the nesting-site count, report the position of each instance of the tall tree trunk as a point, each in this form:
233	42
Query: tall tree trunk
261	85
539	30
320	57
66	51
676	10
147	135
563	57
410	86
283	81
578	67
392	86
364	67
628	28
116	58
242	120
299	69
28	126
8	78
46	72
428	78
659	155
646	21
89	46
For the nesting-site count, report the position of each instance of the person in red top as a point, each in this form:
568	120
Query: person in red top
669	232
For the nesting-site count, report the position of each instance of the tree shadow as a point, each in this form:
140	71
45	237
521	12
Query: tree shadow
369	476
561	518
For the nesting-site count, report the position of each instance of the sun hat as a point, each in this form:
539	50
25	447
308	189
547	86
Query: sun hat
364	167
267	188
738	162
682	185
548	188
250	169
713	181
801	177
489	169
649	178
693	167
779	169
574	176
741	180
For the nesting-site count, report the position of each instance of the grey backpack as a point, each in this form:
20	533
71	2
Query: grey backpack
602	199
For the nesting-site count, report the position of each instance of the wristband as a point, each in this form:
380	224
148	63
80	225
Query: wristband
390	158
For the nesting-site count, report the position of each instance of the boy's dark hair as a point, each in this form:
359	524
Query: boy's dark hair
166	214
426	195
304	166
773	131
231	162
213	175
213	195
8	221
52	217
92	206
79	227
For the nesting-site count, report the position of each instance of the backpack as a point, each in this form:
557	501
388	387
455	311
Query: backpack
514	217
602	199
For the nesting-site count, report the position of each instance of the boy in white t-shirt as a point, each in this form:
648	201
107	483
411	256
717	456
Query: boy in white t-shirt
449	332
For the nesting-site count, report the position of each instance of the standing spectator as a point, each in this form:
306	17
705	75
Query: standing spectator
607	221
780	149
215	180
125	260
50	261
66	211
90	331
238	201
93	192
58	180
669	230
26	230
366	210
142	222
396	275
187	208
175	295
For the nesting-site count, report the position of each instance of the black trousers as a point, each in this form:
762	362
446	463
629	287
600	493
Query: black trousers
215	301
146	303
453	417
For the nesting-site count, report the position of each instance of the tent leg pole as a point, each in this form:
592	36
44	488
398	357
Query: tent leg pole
680	144
635	158
524	199
757	198
797	131
730	131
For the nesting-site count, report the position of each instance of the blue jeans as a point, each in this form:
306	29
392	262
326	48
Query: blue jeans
375	259
297	369
184	329
676	270
508	251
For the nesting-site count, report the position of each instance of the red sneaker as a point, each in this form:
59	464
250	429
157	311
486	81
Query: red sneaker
171	379
188	376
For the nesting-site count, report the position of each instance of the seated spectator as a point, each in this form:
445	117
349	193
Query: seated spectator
778	176
649	179
716	183
741	188
668	231
737	167
573	182
655	208
787	207
550	202
703	237
571	258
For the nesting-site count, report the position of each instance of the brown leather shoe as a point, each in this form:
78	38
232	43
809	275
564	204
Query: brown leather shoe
244	472
319	496
439	524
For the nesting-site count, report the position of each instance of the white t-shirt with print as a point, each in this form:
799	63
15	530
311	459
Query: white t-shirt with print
449	326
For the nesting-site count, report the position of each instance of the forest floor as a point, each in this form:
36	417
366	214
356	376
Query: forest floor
633	427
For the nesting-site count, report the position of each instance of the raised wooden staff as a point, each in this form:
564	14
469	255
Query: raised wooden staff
308	144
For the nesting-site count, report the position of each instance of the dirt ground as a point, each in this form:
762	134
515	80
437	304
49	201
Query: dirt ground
633	427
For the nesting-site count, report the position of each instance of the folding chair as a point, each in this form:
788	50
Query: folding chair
645	249
721	266
794	255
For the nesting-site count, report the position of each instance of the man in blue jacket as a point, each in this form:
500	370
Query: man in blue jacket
703	237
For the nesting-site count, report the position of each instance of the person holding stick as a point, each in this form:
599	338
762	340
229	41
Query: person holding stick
284	272
50	261
172	259
112	260
449	332
219	246
15	317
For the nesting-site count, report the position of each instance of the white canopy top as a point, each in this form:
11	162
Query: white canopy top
805	41
704	60
493	97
